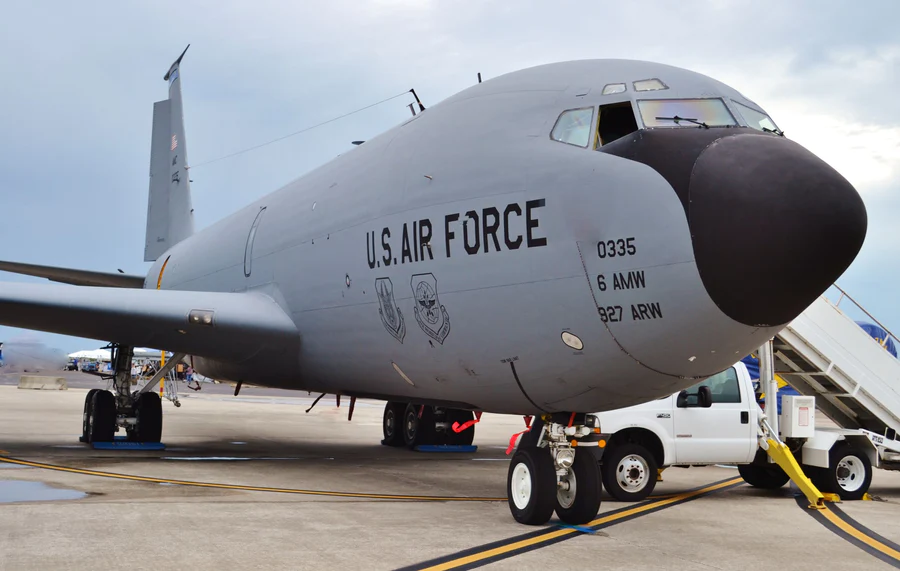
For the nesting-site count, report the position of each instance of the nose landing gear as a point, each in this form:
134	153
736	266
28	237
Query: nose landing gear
556	466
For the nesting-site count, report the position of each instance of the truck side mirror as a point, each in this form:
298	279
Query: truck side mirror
682	400
704	397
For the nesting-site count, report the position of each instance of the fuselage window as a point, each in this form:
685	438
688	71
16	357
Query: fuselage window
756	119
649	85
248	248
696	113
616	121
574	127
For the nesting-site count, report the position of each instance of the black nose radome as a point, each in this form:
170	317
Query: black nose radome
772	225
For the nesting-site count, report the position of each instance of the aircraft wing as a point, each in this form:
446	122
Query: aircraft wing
74	277
239	324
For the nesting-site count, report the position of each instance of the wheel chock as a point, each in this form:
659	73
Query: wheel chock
659	472
445	448
122	443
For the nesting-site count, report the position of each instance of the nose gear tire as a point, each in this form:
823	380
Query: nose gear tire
629	472
531	486
584	481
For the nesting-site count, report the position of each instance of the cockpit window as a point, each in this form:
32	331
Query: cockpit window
574	127
649	85
685	113
756	119
611	88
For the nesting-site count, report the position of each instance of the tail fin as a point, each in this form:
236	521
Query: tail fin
170	217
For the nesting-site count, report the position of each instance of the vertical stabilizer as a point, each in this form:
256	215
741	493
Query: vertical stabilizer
170	217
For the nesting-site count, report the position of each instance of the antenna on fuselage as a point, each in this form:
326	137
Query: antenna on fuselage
421	107
479	77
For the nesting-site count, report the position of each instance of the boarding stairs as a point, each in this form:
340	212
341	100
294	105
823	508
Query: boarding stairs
824	353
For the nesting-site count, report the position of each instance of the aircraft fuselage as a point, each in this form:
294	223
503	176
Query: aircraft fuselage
447	260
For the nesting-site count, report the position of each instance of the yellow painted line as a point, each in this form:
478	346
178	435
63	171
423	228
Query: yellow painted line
859	535
474	558
119	476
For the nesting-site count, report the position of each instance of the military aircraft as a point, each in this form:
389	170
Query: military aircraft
568	238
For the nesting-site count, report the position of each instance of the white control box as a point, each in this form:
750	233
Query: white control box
798	416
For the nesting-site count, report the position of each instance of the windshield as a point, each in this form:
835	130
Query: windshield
692	113
756	119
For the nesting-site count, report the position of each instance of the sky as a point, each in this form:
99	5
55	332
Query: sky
80	80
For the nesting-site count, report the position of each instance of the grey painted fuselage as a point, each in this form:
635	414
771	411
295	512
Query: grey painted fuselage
459	246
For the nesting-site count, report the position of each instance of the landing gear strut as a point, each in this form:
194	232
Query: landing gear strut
413	425
139	413
556	466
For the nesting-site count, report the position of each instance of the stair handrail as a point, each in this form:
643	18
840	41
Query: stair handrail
844	294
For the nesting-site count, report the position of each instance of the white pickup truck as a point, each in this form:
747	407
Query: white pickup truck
717	422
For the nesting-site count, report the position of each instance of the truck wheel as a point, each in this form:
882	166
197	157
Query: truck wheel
629	472
849	472
762	474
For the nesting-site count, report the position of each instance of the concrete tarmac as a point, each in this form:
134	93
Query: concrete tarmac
265	439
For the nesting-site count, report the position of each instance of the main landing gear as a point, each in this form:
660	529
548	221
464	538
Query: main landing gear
415	425
140	413
556	467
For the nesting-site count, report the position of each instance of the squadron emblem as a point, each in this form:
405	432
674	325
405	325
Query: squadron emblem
388	309
430	314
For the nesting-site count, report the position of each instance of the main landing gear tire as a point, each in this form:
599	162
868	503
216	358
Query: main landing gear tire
467	436
392	422
578	495
418	430
629	472
148	413
762	474
102	417
86	417
849	473
531	486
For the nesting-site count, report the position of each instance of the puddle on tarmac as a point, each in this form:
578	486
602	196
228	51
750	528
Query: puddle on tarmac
8	465
12	491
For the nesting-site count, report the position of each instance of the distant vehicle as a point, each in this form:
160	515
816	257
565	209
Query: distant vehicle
89	367
71	365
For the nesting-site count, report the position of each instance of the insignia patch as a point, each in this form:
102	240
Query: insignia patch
430	314
388	309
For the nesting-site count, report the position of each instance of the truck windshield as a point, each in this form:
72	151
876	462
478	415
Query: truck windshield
694	113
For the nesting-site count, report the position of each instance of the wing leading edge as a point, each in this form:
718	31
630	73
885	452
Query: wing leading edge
239	325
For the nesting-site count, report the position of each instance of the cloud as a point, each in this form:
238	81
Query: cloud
82	79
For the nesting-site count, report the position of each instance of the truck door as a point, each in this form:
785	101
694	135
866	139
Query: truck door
721	433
